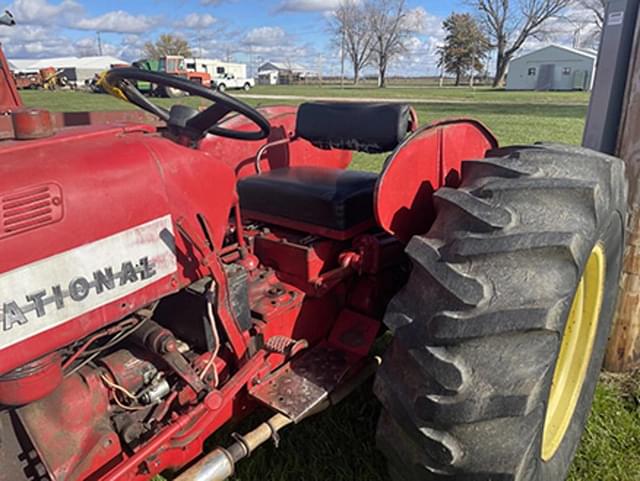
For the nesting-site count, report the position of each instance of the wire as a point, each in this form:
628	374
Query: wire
216	338
84	349
118	388
116	339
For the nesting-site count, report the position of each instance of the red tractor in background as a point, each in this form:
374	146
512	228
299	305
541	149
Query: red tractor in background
164	273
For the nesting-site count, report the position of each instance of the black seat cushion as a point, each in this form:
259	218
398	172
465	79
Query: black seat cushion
362	126
335	199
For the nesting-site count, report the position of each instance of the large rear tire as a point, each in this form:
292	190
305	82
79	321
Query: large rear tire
500	333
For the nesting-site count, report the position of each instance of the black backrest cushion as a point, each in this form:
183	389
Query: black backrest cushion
365	127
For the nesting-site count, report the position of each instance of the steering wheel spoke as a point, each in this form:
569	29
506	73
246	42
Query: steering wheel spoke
199	124
210	116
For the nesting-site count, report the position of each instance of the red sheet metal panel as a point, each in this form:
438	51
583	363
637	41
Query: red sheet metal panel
429	159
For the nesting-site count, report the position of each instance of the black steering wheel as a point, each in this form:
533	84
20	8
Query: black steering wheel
184	120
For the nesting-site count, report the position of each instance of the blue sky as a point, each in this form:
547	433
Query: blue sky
250	31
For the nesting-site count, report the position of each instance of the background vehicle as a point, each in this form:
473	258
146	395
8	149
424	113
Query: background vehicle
230	81
173	65
28	80
53	79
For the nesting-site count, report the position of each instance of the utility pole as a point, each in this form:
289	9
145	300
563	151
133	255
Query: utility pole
342	59
613	127
99	44
473	67
577	37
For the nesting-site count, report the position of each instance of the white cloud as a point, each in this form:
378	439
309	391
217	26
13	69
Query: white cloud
419	21
30	41
211	3
266	36
308	5
117	21
131	47
42	12
197	21
576	27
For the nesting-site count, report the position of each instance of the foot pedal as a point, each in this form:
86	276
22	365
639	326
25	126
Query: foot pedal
304	382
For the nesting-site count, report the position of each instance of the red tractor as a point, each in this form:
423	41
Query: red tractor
166	273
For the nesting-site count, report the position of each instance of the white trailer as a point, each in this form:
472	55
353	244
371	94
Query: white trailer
215	67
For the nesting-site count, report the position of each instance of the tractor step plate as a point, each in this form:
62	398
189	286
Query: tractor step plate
303	383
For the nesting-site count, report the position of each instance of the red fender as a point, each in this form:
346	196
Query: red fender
428	159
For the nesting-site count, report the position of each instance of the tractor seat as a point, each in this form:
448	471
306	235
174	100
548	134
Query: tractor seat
324	201
339	202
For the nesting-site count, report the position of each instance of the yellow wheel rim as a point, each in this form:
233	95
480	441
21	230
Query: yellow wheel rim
575	353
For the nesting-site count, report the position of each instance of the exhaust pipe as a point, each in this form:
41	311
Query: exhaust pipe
219	464
215	466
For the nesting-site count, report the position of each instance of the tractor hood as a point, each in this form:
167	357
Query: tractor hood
87	230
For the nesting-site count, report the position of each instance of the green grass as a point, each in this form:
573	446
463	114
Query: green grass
517	118
339	444
610	446
452	94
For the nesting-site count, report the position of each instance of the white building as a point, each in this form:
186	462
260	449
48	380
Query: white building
273	73
76	70
554	67
215	67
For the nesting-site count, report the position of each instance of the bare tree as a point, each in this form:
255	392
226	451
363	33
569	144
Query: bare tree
585	18
589	27
390	27
352	34
510	24
597	8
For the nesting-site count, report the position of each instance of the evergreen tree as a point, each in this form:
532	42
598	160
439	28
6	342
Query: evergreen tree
465	48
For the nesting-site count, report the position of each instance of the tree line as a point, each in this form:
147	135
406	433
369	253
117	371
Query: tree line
375	32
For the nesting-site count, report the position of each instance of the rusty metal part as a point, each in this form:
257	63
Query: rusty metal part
30	124
303	383
247	444
79	436
285	345
219	465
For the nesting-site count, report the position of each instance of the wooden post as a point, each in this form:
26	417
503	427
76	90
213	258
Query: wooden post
624	346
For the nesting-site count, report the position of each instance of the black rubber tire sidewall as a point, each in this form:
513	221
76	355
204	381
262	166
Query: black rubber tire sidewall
611	239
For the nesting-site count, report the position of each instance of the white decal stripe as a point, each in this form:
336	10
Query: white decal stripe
55	290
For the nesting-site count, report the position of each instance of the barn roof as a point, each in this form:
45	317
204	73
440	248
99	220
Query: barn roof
294	67
95	62
591	54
